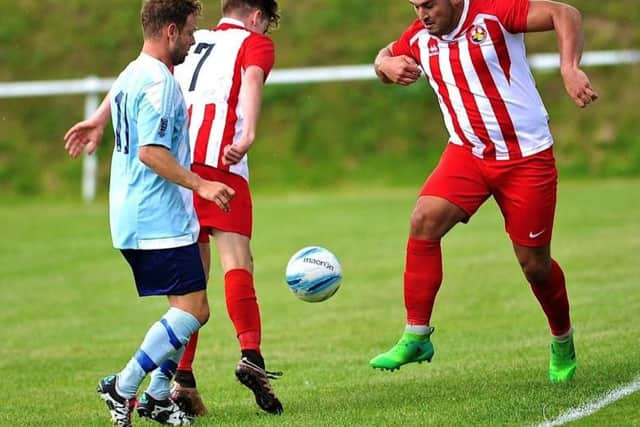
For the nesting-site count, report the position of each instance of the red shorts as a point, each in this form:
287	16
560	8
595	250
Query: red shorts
238	220
524	189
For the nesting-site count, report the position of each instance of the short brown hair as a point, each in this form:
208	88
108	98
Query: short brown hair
268	7
157	13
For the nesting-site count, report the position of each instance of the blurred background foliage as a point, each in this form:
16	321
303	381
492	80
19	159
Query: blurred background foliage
311	135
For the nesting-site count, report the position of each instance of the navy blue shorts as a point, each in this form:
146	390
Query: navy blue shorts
175	271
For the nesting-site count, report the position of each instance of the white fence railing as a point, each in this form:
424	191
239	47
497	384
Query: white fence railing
93	86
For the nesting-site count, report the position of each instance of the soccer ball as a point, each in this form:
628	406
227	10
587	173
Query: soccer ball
314	274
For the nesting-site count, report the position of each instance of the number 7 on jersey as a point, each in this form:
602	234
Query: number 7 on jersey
208	47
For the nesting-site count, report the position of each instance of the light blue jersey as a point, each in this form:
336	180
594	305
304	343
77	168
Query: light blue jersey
146	210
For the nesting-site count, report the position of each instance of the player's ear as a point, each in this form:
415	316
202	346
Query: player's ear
172	31
256	17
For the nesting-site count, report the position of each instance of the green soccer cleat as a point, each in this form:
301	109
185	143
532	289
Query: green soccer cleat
562	365
411	348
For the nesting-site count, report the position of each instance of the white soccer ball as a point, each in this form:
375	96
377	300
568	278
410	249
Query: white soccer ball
314	274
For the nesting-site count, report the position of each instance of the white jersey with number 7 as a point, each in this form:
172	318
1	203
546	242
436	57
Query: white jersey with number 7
210	78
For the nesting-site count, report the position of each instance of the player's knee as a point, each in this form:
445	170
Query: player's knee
424	225
202	314
200	310
536	270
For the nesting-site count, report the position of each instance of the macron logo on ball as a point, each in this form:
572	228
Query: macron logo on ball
324	264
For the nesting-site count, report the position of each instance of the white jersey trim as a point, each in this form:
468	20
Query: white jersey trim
232	21
166	243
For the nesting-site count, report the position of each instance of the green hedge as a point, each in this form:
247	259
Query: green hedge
333	134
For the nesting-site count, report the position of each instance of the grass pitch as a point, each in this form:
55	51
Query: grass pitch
70	315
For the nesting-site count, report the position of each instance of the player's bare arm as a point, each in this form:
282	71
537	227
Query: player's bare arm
566	21
401	69
251	96
88	133
160	160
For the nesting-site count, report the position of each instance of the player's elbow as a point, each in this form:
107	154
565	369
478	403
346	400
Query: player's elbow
146	156
572	12
143	155
566	13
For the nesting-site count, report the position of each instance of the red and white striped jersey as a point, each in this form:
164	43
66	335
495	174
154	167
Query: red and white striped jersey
481	76
210	78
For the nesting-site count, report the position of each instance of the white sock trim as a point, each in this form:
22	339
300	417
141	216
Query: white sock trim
564	337
417	329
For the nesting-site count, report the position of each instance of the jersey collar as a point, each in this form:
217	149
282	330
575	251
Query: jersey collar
226	21
453	34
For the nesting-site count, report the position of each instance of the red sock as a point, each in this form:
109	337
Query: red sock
552	295
186	361
422	279
242	307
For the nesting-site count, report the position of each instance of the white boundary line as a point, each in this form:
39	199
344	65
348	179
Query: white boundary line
587	409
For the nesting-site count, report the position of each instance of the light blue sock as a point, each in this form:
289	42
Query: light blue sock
160	385
163	339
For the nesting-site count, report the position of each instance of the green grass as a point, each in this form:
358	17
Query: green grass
70	315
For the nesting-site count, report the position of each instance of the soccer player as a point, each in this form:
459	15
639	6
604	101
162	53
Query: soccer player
152	218
222	79
473	55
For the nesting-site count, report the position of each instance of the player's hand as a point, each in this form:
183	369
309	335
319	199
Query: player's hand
401	70
234	153
578	86
83	134
217	192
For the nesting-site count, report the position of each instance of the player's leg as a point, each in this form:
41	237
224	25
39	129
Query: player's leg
185	388
185	391
548	285
232	231
431	219
163	340
242	305
171	272
156	402
244	312
527	198
452	194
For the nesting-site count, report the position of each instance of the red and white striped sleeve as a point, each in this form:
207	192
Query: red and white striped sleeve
259	51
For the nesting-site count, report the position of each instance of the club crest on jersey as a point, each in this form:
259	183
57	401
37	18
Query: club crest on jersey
477	34
434	50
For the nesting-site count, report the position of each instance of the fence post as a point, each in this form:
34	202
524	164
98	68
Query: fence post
90	162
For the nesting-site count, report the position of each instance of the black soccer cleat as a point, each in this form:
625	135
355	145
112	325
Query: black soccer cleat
120	407
256	379
164	411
